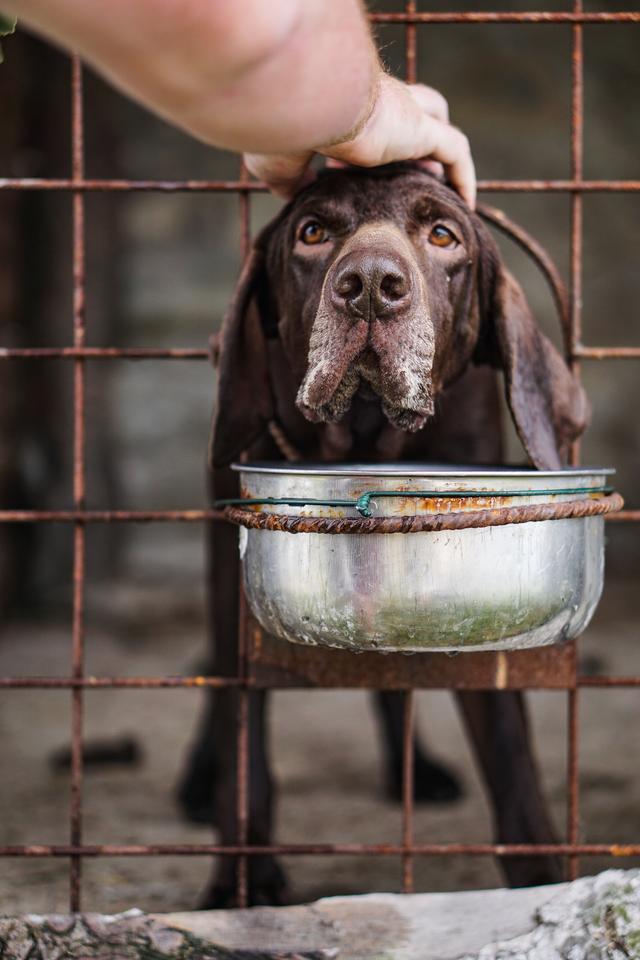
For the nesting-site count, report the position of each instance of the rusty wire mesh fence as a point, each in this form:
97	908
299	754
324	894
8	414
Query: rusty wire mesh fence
556	669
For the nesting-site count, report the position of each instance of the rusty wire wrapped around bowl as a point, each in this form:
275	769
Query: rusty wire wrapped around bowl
427	558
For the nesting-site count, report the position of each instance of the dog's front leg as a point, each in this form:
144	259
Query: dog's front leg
209	788
498	729
432	781
266	880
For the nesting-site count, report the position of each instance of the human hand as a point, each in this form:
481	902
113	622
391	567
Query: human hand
407	122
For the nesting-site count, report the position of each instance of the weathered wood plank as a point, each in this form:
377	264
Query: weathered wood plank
129	936
594	917
278	663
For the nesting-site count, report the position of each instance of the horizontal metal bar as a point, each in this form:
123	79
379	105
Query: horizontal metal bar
110	516
534	16
127	186
161	516
582	352
255	186
605	681
109	683
322	849
156	683
104	353
624	516
559	186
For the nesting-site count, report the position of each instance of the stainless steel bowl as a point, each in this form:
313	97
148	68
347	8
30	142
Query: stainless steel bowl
491	588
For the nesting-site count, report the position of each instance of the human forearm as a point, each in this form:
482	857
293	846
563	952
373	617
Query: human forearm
275	79
243	74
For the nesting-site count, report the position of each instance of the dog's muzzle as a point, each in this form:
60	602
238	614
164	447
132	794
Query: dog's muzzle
372	327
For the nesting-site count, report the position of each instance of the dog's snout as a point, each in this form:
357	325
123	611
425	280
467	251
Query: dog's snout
371	284
349	286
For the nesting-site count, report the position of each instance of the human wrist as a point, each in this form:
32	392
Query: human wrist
367	144
364	115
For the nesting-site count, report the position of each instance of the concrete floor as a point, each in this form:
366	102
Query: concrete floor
325	755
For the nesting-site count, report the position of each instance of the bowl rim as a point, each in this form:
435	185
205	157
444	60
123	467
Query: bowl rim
410	469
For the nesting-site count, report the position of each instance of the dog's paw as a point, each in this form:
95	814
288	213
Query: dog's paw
267	886
532	871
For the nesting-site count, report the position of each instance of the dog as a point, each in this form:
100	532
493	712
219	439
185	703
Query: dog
369	323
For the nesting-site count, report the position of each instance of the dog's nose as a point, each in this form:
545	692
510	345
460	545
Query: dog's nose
371	284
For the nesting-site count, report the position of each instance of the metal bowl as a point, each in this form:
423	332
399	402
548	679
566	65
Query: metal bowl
491	588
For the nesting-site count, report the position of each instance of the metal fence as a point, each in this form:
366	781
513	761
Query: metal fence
546	669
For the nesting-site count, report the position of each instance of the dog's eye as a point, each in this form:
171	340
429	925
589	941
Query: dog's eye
312	232
442	237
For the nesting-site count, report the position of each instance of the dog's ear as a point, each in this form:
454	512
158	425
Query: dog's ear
243	401
547	403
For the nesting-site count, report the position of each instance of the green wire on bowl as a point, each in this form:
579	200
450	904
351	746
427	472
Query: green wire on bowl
362	504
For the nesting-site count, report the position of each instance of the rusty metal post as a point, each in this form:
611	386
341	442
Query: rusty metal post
408	790
577	137
408	720
243	742
79	479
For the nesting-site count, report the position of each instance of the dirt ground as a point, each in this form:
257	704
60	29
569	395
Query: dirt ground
325	755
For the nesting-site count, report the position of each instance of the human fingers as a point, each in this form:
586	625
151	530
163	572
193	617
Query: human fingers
284	173
436	105
451	148
399	129
433	103
433	167
429	100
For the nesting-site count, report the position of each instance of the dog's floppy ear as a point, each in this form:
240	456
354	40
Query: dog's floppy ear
243	401
548	405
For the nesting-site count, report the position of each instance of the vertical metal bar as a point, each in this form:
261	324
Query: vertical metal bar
79	477
407	789
243	759
410	38
408	720
245	214
573	808
577	129
242	786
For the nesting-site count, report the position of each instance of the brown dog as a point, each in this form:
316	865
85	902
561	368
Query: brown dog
366	323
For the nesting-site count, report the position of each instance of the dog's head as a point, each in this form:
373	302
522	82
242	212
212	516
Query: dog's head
383	282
